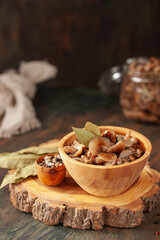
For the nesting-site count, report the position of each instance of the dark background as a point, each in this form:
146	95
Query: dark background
83	38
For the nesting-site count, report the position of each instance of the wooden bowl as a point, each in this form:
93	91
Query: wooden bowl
105	180
50	176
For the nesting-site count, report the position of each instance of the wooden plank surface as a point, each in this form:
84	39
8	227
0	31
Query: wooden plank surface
58	109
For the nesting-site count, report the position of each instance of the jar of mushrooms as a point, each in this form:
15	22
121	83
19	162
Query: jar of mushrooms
140	90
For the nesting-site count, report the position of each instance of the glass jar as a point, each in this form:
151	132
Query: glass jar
140	89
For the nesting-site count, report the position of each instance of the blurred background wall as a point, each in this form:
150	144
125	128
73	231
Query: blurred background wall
83	38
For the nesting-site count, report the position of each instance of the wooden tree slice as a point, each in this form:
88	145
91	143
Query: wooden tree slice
70	205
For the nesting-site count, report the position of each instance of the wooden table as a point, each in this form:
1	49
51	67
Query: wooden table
59	109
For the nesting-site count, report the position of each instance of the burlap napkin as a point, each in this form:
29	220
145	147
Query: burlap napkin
17	88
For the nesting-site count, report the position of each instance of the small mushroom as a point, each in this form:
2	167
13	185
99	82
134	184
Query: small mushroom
134	140
86	160
107	157
105	148
70	150
120	137
89	155
77	144
132	149
119	161
127	140
110	135
139	153
132	157
75	149
127	136
79	151
128	143
125	153
123	160
111	163
99	161
117	148
96	143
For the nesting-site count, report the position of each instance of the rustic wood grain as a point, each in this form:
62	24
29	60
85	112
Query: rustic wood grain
71	206
59	109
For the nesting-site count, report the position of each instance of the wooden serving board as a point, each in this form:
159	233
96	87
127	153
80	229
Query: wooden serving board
71	206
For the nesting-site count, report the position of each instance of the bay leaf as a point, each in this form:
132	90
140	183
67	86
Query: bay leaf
23	161
83	135
9	178
19	175
23	157
16	160
38	150
93	128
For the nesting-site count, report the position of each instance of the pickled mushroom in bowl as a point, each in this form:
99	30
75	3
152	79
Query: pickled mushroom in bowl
108	149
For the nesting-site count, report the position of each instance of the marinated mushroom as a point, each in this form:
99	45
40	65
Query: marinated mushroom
127	136
140	99
111	163
70	149
125	153
107	157
86	160
139	153
120	137
76	149
117	148
96	143
110	134
78	152
99	161
127	140
134	140
109	149
89	155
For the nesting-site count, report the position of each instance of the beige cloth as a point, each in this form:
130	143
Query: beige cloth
17	114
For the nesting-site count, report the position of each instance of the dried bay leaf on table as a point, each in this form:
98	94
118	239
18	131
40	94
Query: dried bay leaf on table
93	128
15	160
9	178
23	162
23	157
38	150
19	175
83	135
